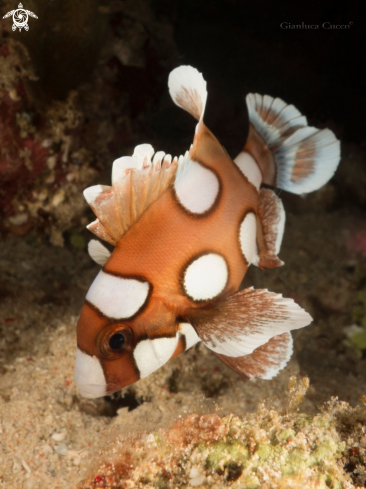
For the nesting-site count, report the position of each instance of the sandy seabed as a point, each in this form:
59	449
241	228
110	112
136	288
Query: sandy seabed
51	437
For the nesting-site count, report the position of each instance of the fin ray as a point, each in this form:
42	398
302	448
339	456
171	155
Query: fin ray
247	320
137	181
290	154
270	228
187	88
266	361
97	228
98	252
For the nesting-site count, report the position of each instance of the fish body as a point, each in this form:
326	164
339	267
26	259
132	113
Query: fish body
185	232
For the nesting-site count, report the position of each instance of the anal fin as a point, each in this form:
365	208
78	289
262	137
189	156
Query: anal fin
270	226
266	361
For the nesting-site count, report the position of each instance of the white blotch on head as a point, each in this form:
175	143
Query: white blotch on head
248	237
189	334
196	186
249	168
117	297
206	277
89	376
152	354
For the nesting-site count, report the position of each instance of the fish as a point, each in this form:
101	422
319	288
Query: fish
184	232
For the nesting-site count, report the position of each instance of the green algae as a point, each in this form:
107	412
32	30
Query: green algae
284	435
325	450
225	453
356	334
295	462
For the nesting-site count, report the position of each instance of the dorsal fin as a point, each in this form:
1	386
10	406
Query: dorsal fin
98	252
187	87
137	181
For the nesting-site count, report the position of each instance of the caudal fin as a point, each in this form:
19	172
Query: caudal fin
290	154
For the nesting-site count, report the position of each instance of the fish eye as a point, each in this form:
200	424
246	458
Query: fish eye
114	341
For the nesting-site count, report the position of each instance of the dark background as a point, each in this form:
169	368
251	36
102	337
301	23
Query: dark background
240	48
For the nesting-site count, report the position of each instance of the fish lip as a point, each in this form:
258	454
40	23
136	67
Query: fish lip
93	391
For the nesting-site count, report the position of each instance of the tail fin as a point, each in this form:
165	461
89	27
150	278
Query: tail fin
290	154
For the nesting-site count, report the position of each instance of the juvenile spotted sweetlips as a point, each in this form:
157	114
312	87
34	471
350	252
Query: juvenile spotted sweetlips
185	232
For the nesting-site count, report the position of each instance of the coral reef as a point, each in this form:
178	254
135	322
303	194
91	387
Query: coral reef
43	166
61	120
266	449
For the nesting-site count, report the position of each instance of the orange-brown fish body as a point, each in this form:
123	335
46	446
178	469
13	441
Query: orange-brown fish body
181	261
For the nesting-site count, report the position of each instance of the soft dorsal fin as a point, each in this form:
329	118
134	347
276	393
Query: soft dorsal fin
137	181
187	87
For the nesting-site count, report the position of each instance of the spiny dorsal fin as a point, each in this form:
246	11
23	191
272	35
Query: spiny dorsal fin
266	361
187	88
98	252
246	321
137	181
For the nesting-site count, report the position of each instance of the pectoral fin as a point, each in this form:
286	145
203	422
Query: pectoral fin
270	227
247	320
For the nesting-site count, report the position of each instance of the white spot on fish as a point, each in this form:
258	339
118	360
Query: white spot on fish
117	297
196	187
247	236
89	376
152	354
206	277
249	168
189	334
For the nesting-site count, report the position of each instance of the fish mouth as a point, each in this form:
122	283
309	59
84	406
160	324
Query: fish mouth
93	391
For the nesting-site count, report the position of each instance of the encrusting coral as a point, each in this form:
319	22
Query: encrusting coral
266	449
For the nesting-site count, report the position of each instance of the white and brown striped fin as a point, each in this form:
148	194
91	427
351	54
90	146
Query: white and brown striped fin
266	361
270	227
273	118
137	181
247	320
187	87
102	202
290	154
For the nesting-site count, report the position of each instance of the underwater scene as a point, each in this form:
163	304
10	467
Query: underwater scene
183	245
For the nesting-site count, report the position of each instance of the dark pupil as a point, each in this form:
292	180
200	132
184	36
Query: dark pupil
116	341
